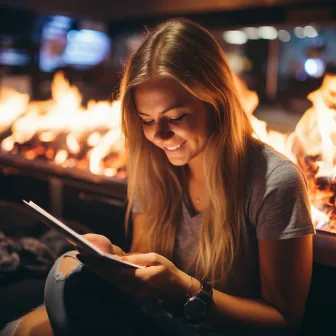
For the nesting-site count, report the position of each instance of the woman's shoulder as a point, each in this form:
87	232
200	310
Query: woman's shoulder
270	174
264	163
277	198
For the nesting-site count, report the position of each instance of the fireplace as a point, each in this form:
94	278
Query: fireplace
76	149
69	162
71	145
66	153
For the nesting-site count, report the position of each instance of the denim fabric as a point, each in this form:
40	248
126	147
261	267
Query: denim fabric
80	303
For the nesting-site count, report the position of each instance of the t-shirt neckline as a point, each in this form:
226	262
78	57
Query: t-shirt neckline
191	211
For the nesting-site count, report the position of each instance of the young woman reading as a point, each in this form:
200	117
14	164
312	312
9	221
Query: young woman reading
220	220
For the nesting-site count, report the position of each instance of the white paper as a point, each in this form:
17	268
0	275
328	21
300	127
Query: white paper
74	238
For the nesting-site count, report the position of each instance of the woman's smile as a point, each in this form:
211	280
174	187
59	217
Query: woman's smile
174	149
173	119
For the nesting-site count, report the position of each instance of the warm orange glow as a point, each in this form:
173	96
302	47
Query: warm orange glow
12	106
311	146
63	132
61	129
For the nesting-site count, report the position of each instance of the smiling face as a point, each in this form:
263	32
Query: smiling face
173	119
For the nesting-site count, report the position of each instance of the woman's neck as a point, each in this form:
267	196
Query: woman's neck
196	169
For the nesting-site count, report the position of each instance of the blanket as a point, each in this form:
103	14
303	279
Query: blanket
29	255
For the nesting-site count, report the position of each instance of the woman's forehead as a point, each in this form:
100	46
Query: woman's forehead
159	94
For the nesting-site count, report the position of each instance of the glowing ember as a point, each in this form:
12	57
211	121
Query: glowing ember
47	136
94	139
8	144
61	156
12	106
72	143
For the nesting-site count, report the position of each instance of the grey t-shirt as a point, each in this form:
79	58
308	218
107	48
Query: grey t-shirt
276	207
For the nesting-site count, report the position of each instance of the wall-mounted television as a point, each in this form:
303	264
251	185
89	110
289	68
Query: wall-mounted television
67	42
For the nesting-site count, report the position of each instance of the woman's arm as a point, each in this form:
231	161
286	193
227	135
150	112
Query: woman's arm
285	275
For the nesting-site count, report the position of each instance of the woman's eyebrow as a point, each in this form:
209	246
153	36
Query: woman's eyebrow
172	107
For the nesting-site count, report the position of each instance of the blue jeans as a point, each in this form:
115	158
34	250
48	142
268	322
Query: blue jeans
81	303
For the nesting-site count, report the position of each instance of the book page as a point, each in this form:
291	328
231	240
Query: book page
74	238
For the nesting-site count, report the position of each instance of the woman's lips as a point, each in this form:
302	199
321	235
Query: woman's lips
174	149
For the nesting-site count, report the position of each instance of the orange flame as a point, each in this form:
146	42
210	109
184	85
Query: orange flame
311	146
46	122
61	130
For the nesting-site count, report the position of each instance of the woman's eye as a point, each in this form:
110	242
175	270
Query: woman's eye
176	120
172	120
150	122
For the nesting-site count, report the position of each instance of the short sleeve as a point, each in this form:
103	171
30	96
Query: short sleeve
282	207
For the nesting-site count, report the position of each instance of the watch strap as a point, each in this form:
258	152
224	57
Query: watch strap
205	293
202	297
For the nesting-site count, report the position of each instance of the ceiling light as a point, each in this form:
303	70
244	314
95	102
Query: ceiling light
235	37
284	35
268	32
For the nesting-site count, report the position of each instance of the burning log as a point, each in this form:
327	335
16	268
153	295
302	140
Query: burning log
311	167
308	163
326	183
330	211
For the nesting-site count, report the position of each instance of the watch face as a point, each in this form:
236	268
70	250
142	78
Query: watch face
195	308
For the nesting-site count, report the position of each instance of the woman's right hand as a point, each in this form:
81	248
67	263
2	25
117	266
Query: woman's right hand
104	244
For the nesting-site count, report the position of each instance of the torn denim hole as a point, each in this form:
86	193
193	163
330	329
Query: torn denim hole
59	276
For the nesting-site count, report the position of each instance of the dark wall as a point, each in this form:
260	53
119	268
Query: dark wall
120	10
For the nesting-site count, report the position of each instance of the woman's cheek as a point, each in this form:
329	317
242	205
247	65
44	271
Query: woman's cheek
149	135
184	131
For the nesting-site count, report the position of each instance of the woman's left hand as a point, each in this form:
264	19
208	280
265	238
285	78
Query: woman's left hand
160	275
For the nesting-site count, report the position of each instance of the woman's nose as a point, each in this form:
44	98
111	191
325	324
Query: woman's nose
162	132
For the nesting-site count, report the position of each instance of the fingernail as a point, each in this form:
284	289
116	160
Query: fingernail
124	258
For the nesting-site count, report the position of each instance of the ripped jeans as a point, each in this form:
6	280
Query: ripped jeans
81	303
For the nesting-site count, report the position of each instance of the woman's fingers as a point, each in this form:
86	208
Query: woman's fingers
100	241
120	276
146	259
98	264
147	281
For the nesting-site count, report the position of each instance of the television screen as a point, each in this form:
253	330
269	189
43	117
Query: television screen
66	42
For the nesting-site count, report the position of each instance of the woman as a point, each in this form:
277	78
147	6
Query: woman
221	220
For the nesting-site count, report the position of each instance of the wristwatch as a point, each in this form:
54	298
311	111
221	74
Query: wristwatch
197	306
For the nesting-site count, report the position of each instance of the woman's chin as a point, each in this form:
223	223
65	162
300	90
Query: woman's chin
177	161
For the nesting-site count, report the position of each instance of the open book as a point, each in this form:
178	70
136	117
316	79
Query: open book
72	236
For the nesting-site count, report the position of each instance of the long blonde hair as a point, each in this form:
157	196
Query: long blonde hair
186	52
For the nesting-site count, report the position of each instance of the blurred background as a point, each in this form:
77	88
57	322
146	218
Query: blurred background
281	49
60	141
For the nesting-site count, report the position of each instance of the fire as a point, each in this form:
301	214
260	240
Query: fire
311	146
63	132
12	106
